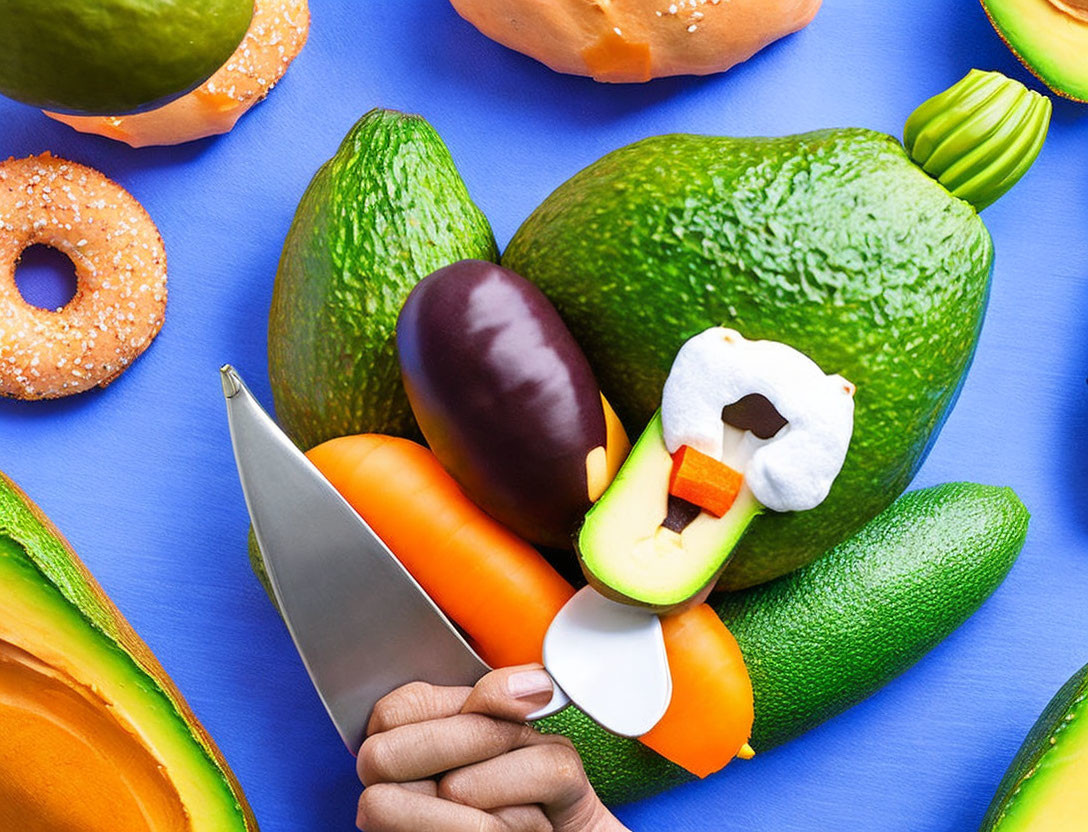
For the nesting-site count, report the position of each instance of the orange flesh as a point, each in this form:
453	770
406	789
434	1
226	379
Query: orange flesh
504	594
635	40
612	58
67	761
704	481
1074	8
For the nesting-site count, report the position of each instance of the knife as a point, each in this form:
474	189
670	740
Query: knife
364	626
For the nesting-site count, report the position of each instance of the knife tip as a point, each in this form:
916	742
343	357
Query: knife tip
232	382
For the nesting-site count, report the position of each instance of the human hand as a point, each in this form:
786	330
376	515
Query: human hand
447	759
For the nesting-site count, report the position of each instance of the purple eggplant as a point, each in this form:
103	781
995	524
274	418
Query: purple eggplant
506	399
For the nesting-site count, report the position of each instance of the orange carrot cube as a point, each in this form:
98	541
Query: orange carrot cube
704	481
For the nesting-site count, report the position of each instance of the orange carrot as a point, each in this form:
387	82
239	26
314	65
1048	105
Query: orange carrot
497	587
704	481
504	594
710	717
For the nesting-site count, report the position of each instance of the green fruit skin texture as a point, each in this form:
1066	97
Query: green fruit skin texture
1012	806
30	541
387	210
834	242
110	57
824	638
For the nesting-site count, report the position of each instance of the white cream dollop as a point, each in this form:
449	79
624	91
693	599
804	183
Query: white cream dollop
793	470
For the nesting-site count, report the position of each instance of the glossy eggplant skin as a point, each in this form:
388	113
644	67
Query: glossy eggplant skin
504	396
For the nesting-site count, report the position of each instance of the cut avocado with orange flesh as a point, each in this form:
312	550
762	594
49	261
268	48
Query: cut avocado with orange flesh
1050	37
627	551
1046	787
95	735
111	57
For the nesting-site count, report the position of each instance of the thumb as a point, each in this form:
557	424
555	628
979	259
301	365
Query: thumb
511	693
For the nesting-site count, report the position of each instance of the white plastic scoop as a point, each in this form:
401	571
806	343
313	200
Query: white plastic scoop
610	659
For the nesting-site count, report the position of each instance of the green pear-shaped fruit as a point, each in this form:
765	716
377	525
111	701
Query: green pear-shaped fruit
835	242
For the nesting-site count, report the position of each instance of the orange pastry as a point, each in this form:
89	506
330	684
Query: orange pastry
120	267
636	40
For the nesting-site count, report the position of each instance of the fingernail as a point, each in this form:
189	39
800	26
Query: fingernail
529	684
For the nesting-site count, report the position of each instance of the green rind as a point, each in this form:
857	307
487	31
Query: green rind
1032	44
32	548
621	770
256	563
1069	703
834	242
822	639
111	57
387	210
597	550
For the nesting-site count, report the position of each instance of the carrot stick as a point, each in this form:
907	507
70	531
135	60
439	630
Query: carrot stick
504	594
710	717
497	587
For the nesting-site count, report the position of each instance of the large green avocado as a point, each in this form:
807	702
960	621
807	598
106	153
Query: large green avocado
383	213
822	639
835	242
1046	786
1050	37
110	57
95	735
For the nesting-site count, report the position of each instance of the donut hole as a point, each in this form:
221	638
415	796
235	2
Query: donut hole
46	277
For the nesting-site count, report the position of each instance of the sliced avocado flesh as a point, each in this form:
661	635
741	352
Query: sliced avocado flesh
1045	788
627	553
1050	40
94	735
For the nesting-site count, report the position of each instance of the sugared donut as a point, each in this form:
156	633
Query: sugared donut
276	35
636	40
120	269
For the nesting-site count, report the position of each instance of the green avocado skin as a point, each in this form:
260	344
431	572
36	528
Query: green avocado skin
387	210
824	638
111	57
834	242
1044	750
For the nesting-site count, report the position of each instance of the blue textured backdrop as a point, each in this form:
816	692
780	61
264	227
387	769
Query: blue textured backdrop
140	477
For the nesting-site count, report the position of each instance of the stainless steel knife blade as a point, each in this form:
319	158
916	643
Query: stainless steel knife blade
360	621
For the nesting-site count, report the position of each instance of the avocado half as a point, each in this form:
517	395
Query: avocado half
1050	37
627	552
95	735
1044	788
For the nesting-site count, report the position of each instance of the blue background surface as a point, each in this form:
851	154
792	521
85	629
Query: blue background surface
140	476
